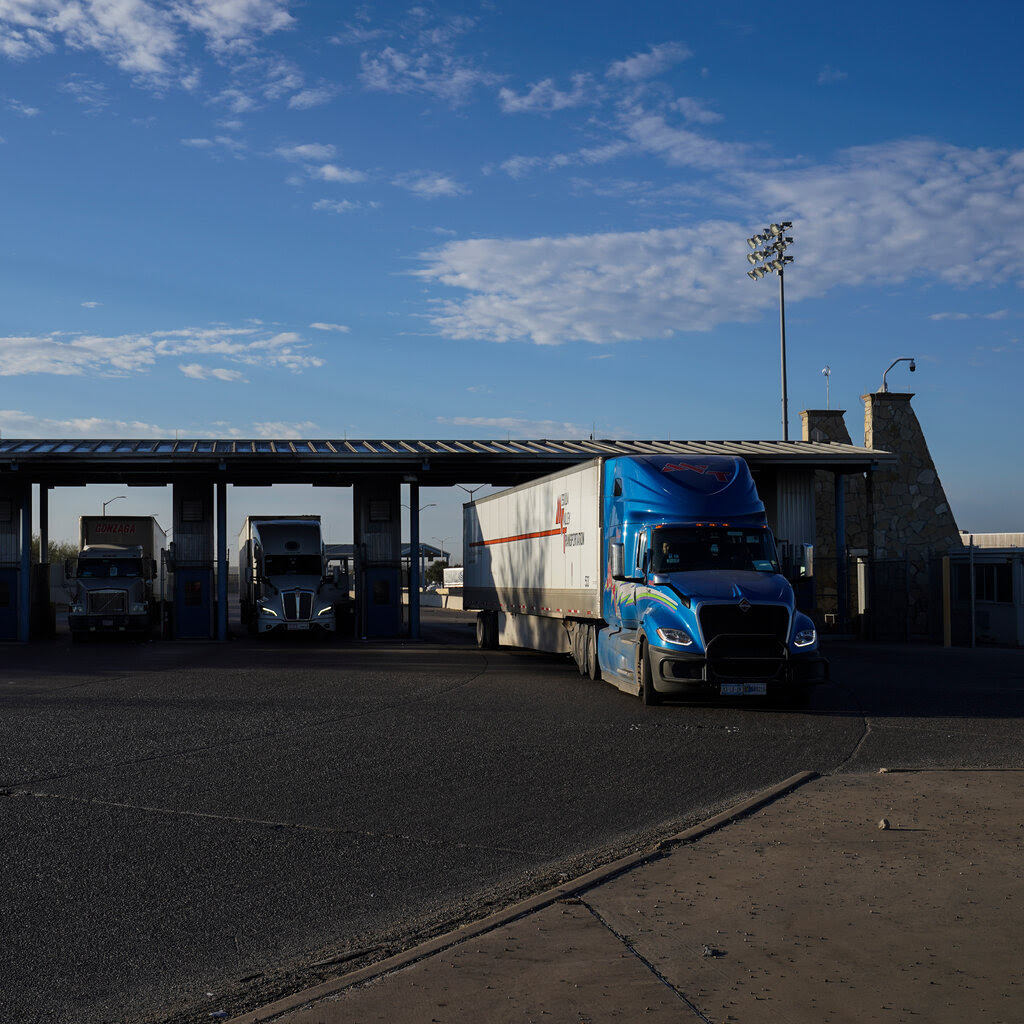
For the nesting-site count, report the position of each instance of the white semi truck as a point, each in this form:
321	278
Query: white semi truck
283	581
119	580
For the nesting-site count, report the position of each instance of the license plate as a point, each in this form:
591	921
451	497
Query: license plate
298	625
743	689
108	622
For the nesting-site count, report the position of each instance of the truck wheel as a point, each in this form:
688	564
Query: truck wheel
645	679
487	630
592	663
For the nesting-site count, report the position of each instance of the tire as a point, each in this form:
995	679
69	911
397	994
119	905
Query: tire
645	679
593	665
487	630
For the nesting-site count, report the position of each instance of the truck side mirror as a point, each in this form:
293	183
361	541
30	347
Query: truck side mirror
336	575
616	560
67	568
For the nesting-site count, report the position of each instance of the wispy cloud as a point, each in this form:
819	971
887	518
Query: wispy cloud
829	75
923	198
127	355
146	38
513	426
427	185
321	326
545	96
655	61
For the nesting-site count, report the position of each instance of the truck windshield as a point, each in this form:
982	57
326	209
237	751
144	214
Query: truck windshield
292	565
99	568
699	548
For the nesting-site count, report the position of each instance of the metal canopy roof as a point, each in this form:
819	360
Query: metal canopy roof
70	462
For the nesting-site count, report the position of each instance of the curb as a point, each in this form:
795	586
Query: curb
524	908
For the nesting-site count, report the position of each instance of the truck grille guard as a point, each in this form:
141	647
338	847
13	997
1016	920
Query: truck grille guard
745	643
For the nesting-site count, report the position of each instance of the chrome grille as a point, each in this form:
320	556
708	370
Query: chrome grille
107	602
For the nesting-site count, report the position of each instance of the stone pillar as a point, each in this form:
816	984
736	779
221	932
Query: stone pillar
913	520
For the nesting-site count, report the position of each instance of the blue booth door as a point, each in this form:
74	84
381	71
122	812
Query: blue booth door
8	604
193	604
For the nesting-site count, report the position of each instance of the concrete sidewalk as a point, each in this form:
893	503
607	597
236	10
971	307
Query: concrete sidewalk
895	896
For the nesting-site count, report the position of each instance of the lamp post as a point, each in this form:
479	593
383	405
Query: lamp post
432	504
106	503
902	359
770	259
441	541
827	374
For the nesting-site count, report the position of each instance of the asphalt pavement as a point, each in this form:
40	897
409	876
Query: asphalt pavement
892	895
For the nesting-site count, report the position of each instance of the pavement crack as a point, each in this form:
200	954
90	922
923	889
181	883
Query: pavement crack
625	940
406	838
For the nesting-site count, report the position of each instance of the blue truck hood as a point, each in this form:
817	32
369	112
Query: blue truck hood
725	586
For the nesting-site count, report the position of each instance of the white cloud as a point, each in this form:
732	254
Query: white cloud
642	66
949	316
500	426
342	175
307	99
321	326
920	197
199	372
829	75
308	152
22	424
430	186
695	110
90	304
126	355
22	108
545	97
337	205
284	431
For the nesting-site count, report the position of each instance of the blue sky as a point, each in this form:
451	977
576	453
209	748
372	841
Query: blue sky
264	218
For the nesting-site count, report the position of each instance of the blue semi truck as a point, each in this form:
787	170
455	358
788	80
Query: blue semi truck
657	573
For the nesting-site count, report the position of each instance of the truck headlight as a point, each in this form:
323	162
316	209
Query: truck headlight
265	610
676	636
327	609
805	637
77	609
138	608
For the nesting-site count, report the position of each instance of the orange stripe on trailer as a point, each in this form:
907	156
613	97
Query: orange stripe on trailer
519	536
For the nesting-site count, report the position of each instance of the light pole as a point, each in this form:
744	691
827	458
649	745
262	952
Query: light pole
432	504
902	359
106	503
773	259
827	374
470	490
441	541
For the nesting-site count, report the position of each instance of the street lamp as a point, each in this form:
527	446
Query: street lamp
902	359
470	490
106	503
771	258
432	504
441	541
827	374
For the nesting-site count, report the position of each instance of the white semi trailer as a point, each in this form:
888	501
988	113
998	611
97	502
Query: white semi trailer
283	581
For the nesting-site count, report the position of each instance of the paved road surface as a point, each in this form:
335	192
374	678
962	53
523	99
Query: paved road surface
243	818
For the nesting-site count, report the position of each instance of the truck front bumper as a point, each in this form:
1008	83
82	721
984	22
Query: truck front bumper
119	623
679	673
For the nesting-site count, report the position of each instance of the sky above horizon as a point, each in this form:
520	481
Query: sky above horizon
267	218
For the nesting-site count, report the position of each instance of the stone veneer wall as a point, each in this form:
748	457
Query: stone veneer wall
912	516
